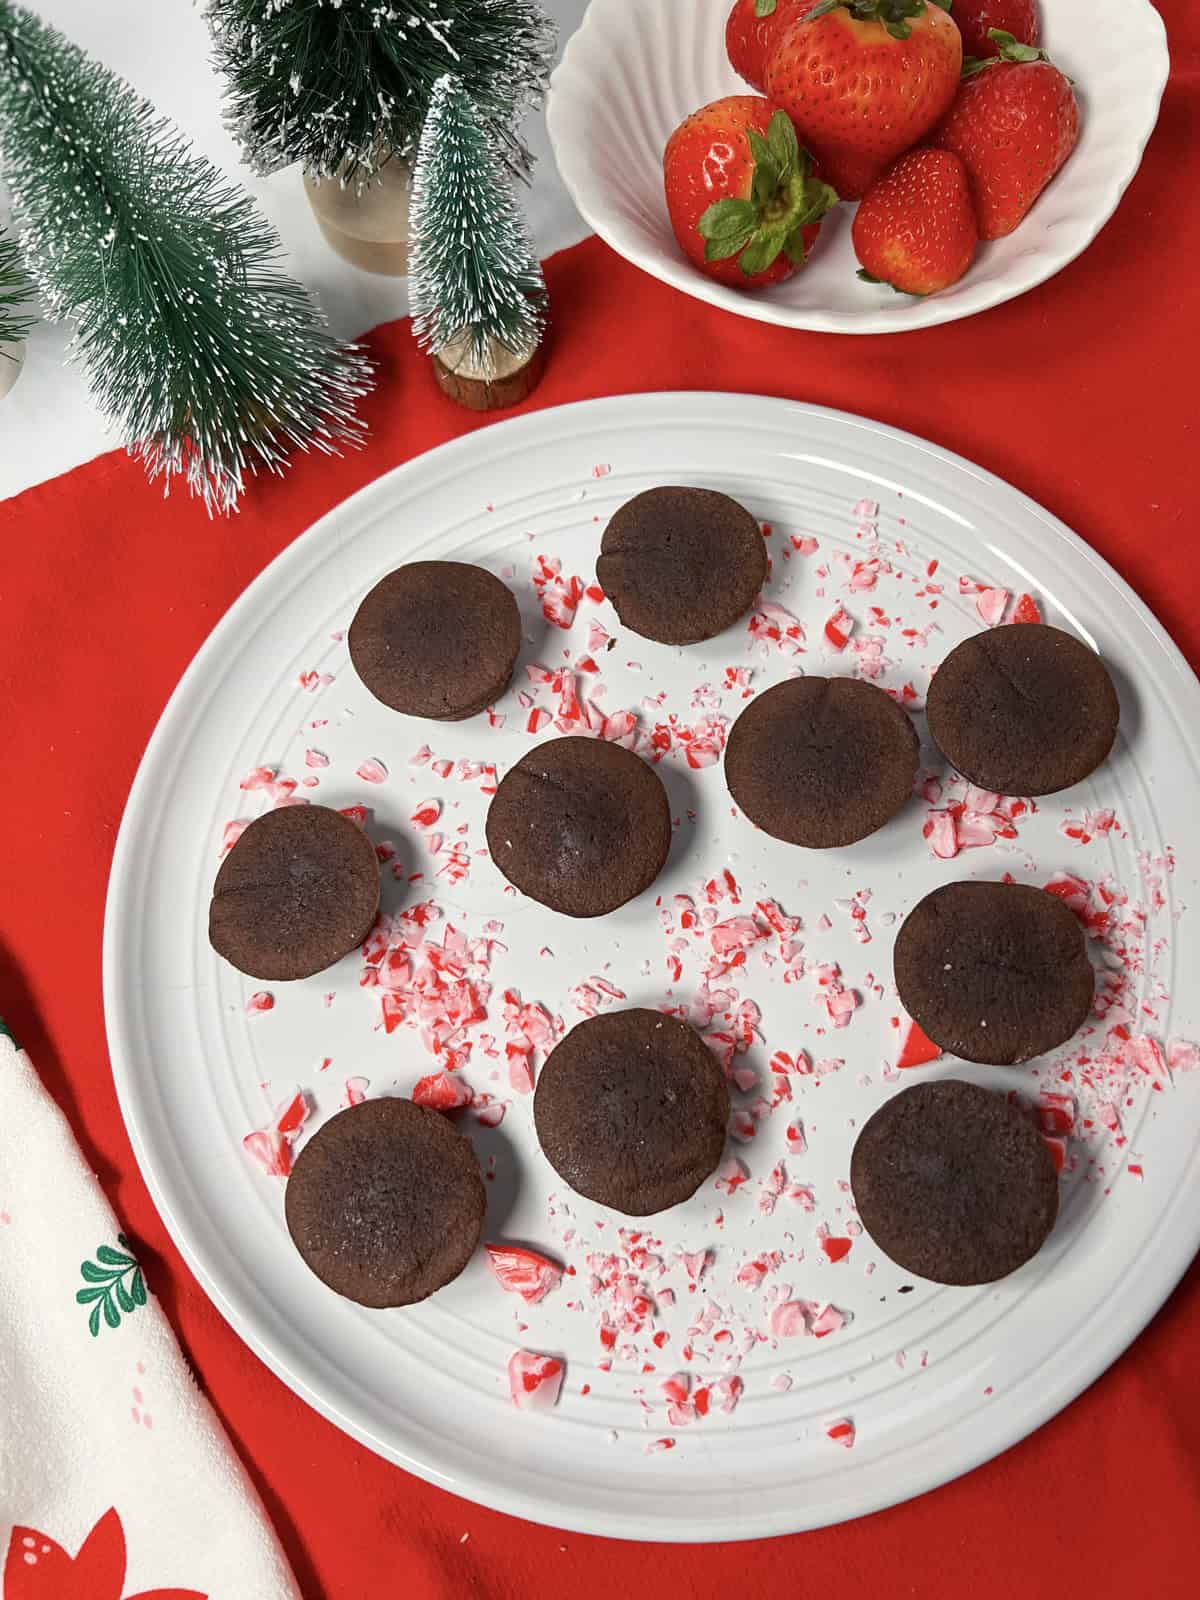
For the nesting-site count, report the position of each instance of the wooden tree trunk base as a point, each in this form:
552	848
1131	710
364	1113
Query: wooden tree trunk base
507	385
367	227
388	260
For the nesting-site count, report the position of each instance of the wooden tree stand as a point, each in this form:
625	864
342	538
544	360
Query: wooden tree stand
367	228
502	380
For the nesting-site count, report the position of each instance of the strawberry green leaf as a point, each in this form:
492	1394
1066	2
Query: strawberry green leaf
724	218
111	1315
97	1291
796	247
124	1298
137	1286
759	148
869	277
782	141
893	14
820	199
1011	50
946	5
94	1274
761	251
764	8
722	249
94	1318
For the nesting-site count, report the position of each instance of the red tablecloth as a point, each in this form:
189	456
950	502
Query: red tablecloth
1081	393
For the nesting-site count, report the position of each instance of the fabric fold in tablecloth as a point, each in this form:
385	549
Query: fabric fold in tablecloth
116	1479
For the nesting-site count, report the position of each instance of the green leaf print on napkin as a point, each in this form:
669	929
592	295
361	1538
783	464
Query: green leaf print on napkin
113	1284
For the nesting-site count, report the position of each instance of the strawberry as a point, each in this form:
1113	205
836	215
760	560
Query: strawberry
975	17
915	228
1014	123
742	196
863	81
751	31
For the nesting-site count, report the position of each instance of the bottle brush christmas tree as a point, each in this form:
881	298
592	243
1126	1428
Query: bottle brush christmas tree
341	85
208	357
15	289
476	290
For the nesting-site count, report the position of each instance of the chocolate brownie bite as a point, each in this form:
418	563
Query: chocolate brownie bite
631	1110
298	891
681	565
437	639
954	1183
821	762
580	825
1026	709
386	1202
994	972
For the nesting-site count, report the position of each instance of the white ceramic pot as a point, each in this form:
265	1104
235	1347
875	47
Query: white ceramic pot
12	359
367	227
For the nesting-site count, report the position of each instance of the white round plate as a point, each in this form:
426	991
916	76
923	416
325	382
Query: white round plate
632	73
933	1380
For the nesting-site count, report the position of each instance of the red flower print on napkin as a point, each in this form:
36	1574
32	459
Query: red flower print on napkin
39	1569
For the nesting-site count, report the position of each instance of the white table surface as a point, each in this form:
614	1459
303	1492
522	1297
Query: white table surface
47	423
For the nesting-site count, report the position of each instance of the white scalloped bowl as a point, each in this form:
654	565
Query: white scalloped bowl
633	71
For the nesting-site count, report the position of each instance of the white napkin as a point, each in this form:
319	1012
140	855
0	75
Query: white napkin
116	1480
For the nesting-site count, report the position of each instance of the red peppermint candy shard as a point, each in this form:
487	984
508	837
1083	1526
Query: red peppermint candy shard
524	1272
534	1380
442	1092
916	1047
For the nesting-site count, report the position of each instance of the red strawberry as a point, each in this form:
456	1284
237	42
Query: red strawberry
975	17
751	31
863	80
741	194
915	228
1014	123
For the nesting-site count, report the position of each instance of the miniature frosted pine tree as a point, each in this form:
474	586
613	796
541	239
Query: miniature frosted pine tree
341	85
476	289
15	290
206	355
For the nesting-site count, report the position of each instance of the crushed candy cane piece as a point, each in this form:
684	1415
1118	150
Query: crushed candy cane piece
1182	1055
441	1091
271	1150
789	1319
841	1432
534	1381
232	832
260	1002
356	1091
523	1271
838	629
730	1176
939	828
991	605
827	1319
916	1047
